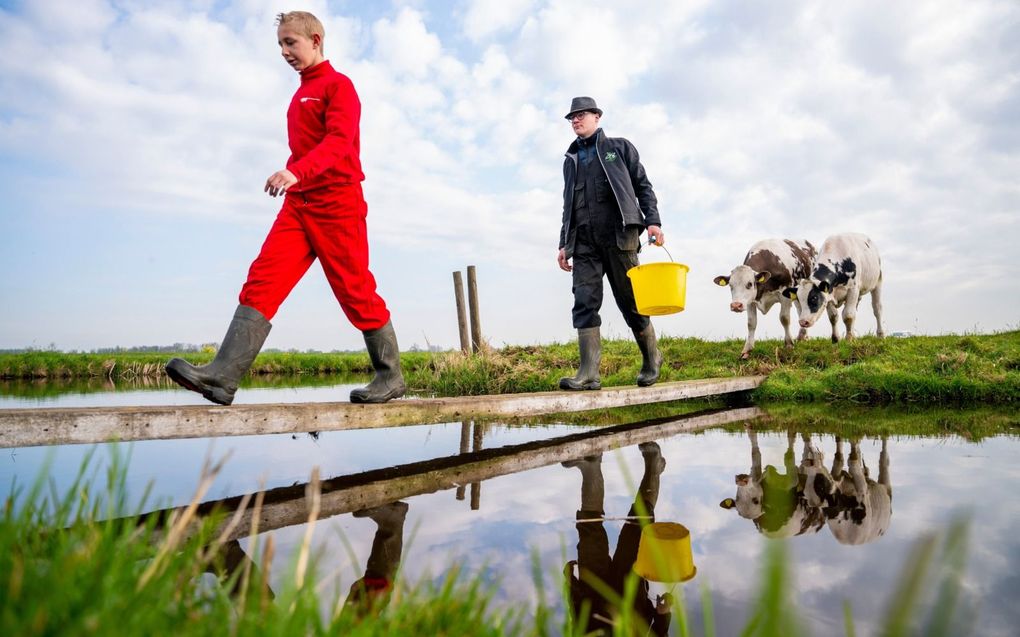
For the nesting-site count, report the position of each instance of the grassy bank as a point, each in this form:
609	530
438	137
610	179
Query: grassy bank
66	571
973	368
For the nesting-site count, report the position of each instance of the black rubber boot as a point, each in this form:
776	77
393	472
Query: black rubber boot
388	543
218	380
589	341
650	355
389	381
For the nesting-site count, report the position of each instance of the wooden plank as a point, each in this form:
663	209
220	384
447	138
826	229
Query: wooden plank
286	506
60	426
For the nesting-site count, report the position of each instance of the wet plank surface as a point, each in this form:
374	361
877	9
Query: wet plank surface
33	427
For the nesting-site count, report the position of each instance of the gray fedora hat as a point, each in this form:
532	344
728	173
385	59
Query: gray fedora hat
583	104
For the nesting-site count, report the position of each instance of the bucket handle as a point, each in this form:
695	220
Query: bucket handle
651	242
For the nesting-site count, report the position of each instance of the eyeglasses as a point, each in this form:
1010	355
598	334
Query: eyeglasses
579	116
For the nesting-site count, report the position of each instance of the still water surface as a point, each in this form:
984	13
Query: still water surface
854	550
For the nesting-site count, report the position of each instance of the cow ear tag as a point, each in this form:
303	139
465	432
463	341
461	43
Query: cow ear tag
721	282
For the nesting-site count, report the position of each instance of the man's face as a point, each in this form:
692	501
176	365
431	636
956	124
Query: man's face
299	51
584	123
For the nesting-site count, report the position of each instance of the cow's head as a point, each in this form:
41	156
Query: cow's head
810	298
748	502
743	282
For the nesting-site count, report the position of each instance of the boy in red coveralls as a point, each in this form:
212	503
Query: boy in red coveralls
323	216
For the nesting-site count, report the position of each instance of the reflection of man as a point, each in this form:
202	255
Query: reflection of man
607	202
594	564
373	590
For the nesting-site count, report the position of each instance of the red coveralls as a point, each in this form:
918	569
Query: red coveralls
323	214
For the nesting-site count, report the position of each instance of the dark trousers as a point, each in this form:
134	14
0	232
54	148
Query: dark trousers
594	560
593	259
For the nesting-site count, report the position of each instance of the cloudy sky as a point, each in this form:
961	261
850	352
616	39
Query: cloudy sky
135	138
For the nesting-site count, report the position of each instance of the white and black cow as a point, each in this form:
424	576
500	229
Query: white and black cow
861	508
847	268
771	266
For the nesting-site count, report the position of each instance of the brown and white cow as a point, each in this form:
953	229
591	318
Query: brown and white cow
847	268
776	501
771	266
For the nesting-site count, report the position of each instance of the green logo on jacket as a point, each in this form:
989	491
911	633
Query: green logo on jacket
610	156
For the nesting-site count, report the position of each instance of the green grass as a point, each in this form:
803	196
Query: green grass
80	563
973	368
972	422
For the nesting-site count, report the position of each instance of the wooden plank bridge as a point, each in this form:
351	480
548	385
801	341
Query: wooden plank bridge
58	426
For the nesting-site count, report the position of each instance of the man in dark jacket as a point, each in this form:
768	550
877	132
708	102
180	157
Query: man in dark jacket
607	202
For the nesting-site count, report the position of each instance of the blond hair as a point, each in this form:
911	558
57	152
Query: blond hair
304	23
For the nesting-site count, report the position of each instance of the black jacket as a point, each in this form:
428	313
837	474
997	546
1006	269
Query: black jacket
628	182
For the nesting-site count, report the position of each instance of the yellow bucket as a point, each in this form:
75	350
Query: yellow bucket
664	553
659	288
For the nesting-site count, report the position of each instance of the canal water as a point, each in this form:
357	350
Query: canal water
859	505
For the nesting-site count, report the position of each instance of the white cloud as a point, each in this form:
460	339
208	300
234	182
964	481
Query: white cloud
487	17
405	43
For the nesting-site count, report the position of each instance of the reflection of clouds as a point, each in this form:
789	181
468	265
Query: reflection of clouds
533	512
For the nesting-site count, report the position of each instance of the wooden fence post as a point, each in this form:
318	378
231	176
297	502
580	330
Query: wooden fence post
465	446
462	321
476	445
476	322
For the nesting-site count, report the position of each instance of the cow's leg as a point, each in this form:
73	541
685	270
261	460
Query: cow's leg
784	318
850	310
752	324
755	455
883	464
876	307
833	313
858	471
837	459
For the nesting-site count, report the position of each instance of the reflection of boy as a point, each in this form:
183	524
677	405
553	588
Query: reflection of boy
323	217
593	560
373	590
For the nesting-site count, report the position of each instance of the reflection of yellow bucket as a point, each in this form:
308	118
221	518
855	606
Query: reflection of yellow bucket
664	553
659	288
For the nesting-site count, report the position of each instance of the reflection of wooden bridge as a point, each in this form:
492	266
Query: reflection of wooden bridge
54	426
287	506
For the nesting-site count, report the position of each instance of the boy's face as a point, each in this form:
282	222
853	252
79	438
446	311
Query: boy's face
300	51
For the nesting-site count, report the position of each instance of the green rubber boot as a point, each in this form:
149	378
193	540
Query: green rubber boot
385	355
218	380
589	341
651	358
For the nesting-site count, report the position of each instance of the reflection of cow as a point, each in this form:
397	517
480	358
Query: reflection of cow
816	481
805	498
862	508
776	502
